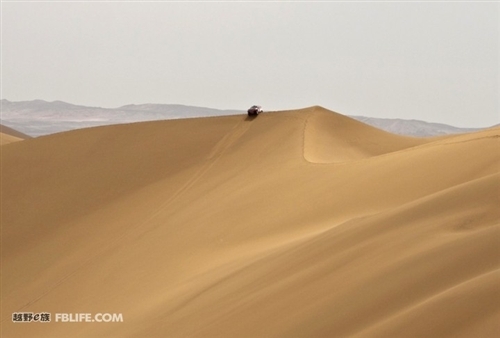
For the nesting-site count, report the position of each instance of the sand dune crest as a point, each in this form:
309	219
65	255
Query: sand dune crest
333	138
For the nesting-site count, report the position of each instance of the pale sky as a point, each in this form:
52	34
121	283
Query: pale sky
437	62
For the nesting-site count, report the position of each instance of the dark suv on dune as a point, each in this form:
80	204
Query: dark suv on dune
254	110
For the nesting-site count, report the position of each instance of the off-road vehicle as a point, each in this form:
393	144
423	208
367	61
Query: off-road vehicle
254	110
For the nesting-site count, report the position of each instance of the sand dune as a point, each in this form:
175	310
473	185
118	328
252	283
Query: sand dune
9	135
299	223
342	139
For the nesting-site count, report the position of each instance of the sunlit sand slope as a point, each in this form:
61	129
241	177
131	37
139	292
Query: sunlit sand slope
340	139
9	135
298	223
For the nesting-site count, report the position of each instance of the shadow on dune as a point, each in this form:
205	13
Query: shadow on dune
251	117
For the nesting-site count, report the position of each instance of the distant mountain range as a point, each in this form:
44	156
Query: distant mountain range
38	117
413	127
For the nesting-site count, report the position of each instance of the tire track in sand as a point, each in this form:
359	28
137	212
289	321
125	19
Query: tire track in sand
213	157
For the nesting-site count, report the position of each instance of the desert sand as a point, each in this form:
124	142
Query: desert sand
301	223
9	135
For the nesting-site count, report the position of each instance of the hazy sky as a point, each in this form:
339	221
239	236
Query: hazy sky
436	61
